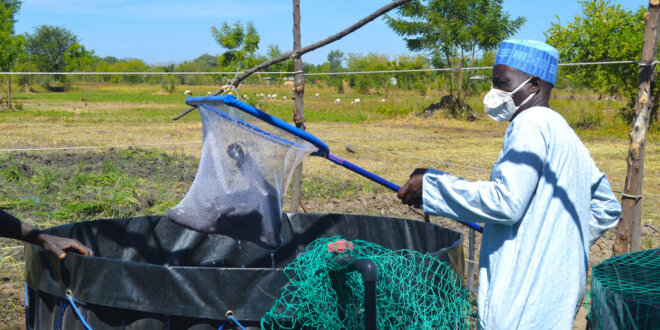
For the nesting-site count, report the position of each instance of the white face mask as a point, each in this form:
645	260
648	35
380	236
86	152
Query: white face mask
499	104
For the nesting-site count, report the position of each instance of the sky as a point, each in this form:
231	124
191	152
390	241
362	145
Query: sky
169	31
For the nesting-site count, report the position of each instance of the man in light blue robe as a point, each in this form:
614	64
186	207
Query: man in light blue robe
545	204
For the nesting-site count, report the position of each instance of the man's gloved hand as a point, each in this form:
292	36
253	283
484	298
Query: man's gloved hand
57	245
411	192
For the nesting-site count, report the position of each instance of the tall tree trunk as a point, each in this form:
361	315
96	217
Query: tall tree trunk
9	92
451	75
83	83
629	228
460	81
298	112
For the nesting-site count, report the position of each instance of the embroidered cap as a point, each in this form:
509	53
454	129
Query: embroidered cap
530	56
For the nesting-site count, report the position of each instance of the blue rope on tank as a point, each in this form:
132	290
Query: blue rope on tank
75	309
63	307
231	317
27	314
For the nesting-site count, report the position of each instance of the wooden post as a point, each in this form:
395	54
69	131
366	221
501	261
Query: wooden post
297	95
629	229
471	260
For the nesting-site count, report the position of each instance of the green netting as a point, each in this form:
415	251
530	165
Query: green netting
625	292
414	291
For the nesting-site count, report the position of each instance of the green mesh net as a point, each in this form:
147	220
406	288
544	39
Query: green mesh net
625	292
414	291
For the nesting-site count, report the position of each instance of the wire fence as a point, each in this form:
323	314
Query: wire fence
309	73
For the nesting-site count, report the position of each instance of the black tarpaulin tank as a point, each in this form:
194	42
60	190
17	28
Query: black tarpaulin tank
150	273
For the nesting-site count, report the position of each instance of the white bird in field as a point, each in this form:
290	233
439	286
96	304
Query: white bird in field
208	93
187	92
245	96
230	93
316	95
382	100
352	102
337	101
356	101
284	98
274	96
269	96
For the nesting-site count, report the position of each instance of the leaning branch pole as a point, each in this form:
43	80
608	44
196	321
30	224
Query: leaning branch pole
294	54
629	229
298	112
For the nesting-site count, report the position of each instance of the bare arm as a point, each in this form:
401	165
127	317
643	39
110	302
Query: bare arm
12	227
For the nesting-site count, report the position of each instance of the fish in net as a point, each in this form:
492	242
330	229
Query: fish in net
414	291
244	170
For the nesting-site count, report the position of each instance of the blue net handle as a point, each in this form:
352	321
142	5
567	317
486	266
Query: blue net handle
323	149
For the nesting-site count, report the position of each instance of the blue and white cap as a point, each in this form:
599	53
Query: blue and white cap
530	56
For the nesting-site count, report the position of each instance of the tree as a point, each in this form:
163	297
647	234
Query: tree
451	32
207	60
603	32
129	65
11	45
110	59
240	44
78	59
419	80
370	62
47	47
335	58
273	52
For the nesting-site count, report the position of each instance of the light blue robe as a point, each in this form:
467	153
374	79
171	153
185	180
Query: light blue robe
546	203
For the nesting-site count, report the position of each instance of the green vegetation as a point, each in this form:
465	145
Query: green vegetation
453	32
240	44
47	46
53	189
603	32
10	45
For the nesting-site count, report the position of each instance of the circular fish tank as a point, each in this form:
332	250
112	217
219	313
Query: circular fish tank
151	273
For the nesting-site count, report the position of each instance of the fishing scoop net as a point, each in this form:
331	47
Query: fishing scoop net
413	291
243	173
625	292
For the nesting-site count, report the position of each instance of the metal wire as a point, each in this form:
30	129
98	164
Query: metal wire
312	73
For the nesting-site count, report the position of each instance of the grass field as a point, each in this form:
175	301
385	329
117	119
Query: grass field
146	162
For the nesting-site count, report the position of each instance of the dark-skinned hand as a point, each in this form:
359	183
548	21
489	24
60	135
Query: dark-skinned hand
411	192
58	245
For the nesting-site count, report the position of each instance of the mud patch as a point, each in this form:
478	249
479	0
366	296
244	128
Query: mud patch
147	164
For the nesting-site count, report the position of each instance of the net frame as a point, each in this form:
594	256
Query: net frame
242	177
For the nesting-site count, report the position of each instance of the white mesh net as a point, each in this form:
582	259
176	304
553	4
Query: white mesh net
243	173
